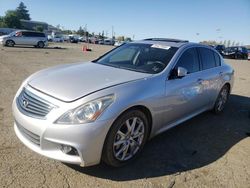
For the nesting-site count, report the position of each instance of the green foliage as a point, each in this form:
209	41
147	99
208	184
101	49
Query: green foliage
2	23
128	39
12	17
22	12
80	31
120	38
12	20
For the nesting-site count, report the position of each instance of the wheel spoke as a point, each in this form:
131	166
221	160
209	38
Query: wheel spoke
125	151
119	142
128	139
137	135
133	125
128	125
121	150
122	135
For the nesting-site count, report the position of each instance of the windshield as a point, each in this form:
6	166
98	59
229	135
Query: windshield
147	58
12	33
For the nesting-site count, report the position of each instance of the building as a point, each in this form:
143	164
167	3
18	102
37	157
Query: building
32	25
6	31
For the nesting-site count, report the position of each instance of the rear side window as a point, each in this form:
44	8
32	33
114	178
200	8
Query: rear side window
217	59
26	34
33	34
189	60
207	58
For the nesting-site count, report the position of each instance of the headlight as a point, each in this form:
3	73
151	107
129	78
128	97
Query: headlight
87	112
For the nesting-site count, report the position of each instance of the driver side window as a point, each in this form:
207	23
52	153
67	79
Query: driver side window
189	60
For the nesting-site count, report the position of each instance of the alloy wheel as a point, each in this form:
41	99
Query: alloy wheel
128	139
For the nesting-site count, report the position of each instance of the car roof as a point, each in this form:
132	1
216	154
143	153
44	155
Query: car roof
163	41
28	31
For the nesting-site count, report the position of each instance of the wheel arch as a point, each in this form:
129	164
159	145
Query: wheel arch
9	40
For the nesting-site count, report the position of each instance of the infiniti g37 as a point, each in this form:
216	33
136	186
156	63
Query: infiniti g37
106	110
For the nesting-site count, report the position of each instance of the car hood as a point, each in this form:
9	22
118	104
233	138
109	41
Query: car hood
4	36
71	82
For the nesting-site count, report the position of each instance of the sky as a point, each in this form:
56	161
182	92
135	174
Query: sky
193	20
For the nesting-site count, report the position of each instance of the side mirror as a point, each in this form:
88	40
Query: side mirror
181	72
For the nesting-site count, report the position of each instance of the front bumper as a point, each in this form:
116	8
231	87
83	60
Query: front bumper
47	138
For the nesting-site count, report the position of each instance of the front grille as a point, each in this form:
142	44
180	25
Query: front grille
32	105
29	135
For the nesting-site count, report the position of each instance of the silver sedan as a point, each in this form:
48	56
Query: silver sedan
106	110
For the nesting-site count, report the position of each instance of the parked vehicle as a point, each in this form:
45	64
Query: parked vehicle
108	42
73	39
108	108
100	41
23	37
82	39
236	52
220	48
58	39
248	50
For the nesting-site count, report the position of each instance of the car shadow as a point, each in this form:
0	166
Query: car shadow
193	144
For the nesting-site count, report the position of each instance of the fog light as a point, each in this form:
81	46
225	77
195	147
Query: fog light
66	149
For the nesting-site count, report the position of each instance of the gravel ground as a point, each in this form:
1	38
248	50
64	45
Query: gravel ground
206	151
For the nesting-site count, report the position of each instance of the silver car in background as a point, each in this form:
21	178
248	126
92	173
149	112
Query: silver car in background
106	110
23	37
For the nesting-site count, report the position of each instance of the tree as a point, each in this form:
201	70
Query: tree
12	20
22	12
2	23
120	38
80	31
228	43
128	39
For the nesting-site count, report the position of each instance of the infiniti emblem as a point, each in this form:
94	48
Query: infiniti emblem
25	103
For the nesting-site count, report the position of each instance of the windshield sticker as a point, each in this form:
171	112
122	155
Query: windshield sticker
160	46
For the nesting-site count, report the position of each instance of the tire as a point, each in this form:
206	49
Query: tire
221	100
9	43
121	145
40	44
236	56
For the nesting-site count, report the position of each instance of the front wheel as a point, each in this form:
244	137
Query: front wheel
10	43
221	100
126	138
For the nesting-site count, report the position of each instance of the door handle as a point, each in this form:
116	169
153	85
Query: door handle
200	80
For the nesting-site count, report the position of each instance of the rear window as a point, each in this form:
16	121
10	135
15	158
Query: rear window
207	58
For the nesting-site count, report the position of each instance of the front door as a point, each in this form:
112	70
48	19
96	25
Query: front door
187	95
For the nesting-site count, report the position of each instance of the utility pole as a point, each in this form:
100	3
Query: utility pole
112	32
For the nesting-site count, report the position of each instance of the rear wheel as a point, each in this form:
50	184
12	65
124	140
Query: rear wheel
10	43
126	138
221	100
40	44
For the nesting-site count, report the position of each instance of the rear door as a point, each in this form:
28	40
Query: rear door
212	72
